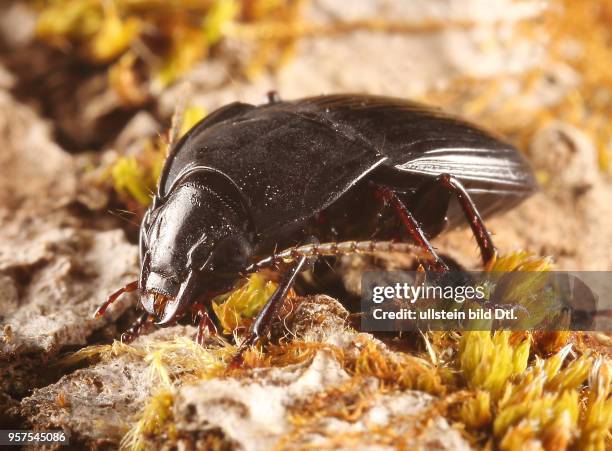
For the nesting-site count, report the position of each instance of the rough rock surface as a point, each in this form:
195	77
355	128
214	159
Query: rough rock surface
55	269
99	403
33	169
96	404
67	275
255	413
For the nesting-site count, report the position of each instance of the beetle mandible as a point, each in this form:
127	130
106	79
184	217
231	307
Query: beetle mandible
325	175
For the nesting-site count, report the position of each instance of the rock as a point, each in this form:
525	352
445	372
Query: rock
254	409
567	157
405	413
17	24
141	127
34	171
316	317
256	414
97	404
253	413
56	278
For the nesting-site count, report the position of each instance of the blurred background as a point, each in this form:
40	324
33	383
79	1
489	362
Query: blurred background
91	86
98	82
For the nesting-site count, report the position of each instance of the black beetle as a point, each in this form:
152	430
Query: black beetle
358	173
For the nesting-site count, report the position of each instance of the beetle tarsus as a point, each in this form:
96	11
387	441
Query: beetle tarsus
136	328
206	326
273	97
127	288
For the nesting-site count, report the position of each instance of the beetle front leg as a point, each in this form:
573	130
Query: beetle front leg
136	328
262	324
412	227
206	326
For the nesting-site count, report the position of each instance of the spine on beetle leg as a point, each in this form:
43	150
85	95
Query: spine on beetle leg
331	249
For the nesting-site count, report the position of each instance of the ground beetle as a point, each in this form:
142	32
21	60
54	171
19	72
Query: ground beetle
324	175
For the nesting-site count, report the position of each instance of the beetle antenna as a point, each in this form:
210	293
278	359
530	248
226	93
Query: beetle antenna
123	218
334	249
175	125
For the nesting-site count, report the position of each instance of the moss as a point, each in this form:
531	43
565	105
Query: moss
155	418
185	31
239	307
135	177
595	421
400	370
488	360
503	389
534	407
132	180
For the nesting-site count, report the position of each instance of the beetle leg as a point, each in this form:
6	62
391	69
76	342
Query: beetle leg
429	205
128	288
134	330
205	323
412	227
261	326
273	97
482	235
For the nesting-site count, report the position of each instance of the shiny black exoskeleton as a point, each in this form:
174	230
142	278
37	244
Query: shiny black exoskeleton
250	180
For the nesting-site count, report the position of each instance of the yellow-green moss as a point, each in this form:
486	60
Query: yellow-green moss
106	32
135	177
239	307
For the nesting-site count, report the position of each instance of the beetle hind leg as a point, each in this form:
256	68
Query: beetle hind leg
481	233
136	328
436	194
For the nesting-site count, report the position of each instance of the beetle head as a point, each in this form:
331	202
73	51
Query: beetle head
194	242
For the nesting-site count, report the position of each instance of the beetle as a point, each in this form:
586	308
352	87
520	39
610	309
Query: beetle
325	175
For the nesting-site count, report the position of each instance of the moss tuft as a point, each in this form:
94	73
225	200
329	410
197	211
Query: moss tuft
239	307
